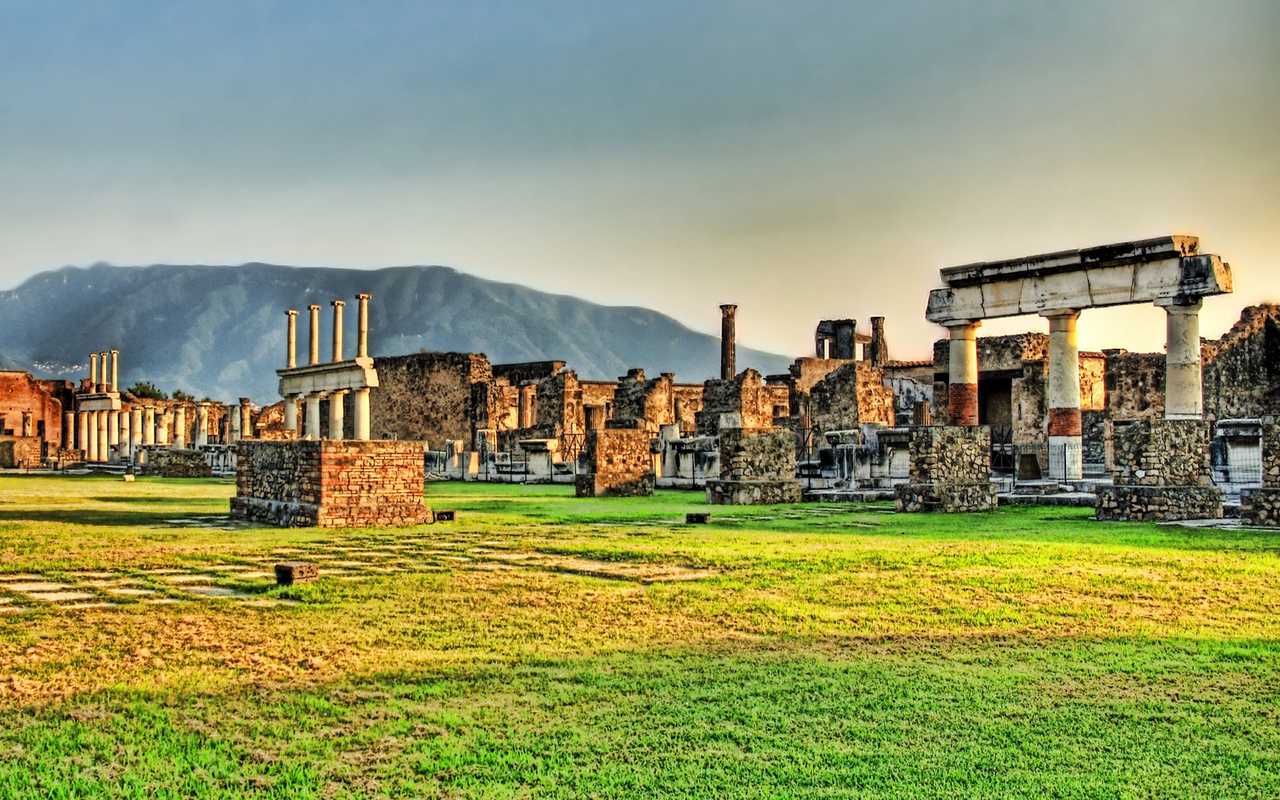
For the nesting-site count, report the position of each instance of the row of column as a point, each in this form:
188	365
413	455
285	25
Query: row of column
101	377
362	332
1182	391
337	414
99	431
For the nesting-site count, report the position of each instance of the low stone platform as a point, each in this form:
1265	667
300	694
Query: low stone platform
596	484
330	483
753	492
1260	508
1127	503
946	497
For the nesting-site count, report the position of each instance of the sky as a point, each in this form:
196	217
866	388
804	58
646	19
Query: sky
805	160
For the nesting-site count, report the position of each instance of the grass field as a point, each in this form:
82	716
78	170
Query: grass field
544	646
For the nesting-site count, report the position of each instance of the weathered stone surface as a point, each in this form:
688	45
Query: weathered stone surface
1158	503
947	498
1260	508
1242	369
850	396
169	463
292	572
1161	452
745	395
619	463
21	451
330	483
756	468
758	492
425	397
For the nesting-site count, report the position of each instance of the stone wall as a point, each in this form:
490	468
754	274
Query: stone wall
649	401
911	382
21	451
850	396
1161	472
756	468
1242	373
1260	507
745	395
20	392
425	397
330	483
619	463
950	471
167	463
1134	385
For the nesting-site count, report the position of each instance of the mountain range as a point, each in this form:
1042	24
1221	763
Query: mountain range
219	331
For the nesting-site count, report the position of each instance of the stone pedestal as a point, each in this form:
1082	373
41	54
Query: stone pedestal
950	471
756	468
1261	507
1161	472
619	464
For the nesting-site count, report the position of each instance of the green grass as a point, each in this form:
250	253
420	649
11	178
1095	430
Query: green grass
817	651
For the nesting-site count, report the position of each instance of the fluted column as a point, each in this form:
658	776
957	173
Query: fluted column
180	428
1065	428
1182	386
313	432
314	340
336	414
962	391
728	342
361	427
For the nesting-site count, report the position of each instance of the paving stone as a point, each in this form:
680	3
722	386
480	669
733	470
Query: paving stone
129	591
82	606
217	591
190	578
34	586
58	597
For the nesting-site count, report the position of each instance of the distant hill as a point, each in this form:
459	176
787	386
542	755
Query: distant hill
220	331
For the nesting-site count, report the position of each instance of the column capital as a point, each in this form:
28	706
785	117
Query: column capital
1061	313
291	312
1181	305
337	303
969	326
363	296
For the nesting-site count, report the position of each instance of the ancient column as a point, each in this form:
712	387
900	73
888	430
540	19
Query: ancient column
93	373
291	357
361	429
879	347
149	425
90	429
291	413
246	419
115	371
202	423
313	432
524	402
69	431
162	425
315	334
1065	452
113	430
1182	389
126	435
336	414
180	428
106	385
337	328
233	425
103	452
728	342
135	430
362	327
28	426
962	393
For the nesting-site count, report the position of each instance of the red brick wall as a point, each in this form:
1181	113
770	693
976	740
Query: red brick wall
20	392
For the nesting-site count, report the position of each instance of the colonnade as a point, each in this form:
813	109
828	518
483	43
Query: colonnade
1182	398
312	428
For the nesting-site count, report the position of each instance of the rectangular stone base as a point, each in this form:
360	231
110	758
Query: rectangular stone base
948	498
1260	508
1158	503
753	492
330	484
593	485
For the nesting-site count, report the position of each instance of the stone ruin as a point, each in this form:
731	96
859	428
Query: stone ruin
310	479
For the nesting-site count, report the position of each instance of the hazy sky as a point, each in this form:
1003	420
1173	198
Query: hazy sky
802	159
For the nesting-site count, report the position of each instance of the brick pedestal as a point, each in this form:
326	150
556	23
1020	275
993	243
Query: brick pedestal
330	483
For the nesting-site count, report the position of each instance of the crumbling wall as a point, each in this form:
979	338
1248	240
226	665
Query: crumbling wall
20	392
527	371
911	383
168	463
950	471
330	483
619	463
1260	507
424	396
851	396
21	451
1242	371
1134	385
1161	472
687	401
744	395
650	401
756	468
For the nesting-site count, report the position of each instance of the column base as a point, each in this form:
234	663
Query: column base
947	498
1126	503
1066	458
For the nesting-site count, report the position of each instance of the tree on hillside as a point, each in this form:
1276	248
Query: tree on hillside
145	390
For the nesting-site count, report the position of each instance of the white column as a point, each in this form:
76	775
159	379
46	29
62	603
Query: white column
314	341
962	393
103	452
135	430
126	436
1182	388
113	432
149	425
180	428
82	437
246	418
336	415
1065	428
115	371
362	327
69	431
233	425
93	373
291	357
91	436
202	425
361	428
162	425
291	413
106	375
337	329
313	432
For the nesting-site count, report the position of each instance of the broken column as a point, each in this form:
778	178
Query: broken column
1065	429
180	428
69	431
202	423
879	347
962	393
728	342
291	414
1182	388
313	417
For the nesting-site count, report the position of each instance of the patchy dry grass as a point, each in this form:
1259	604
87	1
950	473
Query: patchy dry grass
547	646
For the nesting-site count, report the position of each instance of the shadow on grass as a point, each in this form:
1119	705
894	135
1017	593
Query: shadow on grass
98	518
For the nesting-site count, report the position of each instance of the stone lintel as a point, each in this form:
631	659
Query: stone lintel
99	401
354	373
1160	248
1175	280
